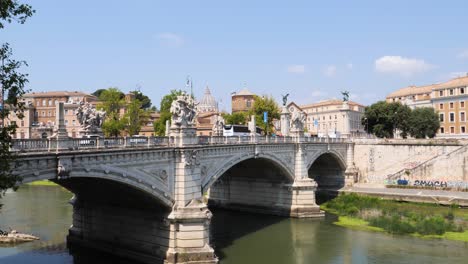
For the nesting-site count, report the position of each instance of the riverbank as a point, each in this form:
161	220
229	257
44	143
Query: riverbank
42	183
416	219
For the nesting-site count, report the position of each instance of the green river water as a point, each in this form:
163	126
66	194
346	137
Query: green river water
238	238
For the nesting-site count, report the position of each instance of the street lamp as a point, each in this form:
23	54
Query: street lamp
394	125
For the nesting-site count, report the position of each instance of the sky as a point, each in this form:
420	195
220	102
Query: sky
312	50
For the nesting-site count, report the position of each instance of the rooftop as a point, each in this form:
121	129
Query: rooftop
412	90
330	102
57	94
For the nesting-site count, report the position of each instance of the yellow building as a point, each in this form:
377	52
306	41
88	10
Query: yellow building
448	99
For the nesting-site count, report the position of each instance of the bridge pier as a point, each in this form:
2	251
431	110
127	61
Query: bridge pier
303	203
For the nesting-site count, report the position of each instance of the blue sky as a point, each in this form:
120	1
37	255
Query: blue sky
310	49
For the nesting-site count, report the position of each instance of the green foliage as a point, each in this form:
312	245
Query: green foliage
98	92
423	122
397	218
166	101
111	101
238	118
135	117
12	84
384	118
265	104
144	100
11	10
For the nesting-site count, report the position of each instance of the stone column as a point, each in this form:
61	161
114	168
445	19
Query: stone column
190	218
351	172
168	125
285	119
346	121
60	133
303	189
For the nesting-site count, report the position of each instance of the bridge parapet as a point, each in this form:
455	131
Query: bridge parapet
51	145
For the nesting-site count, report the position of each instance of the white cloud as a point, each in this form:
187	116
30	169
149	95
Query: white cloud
330	71
349	66
401	65
457	74
463	54
296	68
171	39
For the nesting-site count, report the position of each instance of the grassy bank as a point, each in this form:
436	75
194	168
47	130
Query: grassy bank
422	220
42	183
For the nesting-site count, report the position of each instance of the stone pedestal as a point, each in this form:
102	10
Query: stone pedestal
183	136
285	119
351	173
189	235
60	136
303	199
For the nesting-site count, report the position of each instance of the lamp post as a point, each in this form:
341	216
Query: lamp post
394	125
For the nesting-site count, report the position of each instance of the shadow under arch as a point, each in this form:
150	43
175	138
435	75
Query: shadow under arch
250	186
116	217
328	171
231	163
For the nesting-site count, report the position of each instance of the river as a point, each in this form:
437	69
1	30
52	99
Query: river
237	237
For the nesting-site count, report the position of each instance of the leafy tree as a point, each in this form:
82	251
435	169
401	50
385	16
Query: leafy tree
238	118
12	84
111	102
144	100
383	119
135	117
12	10
98	92
423	122
265	104
164	110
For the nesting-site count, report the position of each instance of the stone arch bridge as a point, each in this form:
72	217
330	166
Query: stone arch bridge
146	198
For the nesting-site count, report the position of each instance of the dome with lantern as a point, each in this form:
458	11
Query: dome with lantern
207	103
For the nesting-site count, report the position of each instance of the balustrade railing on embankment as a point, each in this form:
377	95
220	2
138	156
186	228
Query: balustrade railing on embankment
41	145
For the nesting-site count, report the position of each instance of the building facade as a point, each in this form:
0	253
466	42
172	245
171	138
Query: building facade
40	113
333	118
242	101
449	99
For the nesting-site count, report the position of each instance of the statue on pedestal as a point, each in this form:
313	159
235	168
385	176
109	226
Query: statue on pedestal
345	96
285	99
298	119
183	111
90	119
218	125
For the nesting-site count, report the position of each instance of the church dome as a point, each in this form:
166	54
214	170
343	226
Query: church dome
208	102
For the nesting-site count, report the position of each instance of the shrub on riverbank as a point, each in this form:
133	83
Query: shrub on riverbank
399	218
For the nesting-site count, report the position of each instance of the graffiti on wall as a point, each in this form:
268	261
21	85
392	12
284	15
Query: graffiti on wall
429	183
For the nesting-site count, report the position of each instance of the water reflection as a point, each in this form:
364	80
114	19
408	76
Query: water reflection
237	237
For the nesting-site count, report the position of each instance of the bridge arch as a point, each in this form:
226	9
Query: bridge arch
213	175
327	169
97	173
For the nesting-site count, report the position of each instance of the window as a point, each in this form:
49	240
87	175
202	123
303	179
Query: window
441	106
462	90
66	122
36	114
73	122
335	117
442	130
441	93
463	129
56	102
451	91
462	116
451	105
441	117
44	102
248	104
452	117
43	113
462	104
50	102
452	130
49	114
66	111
